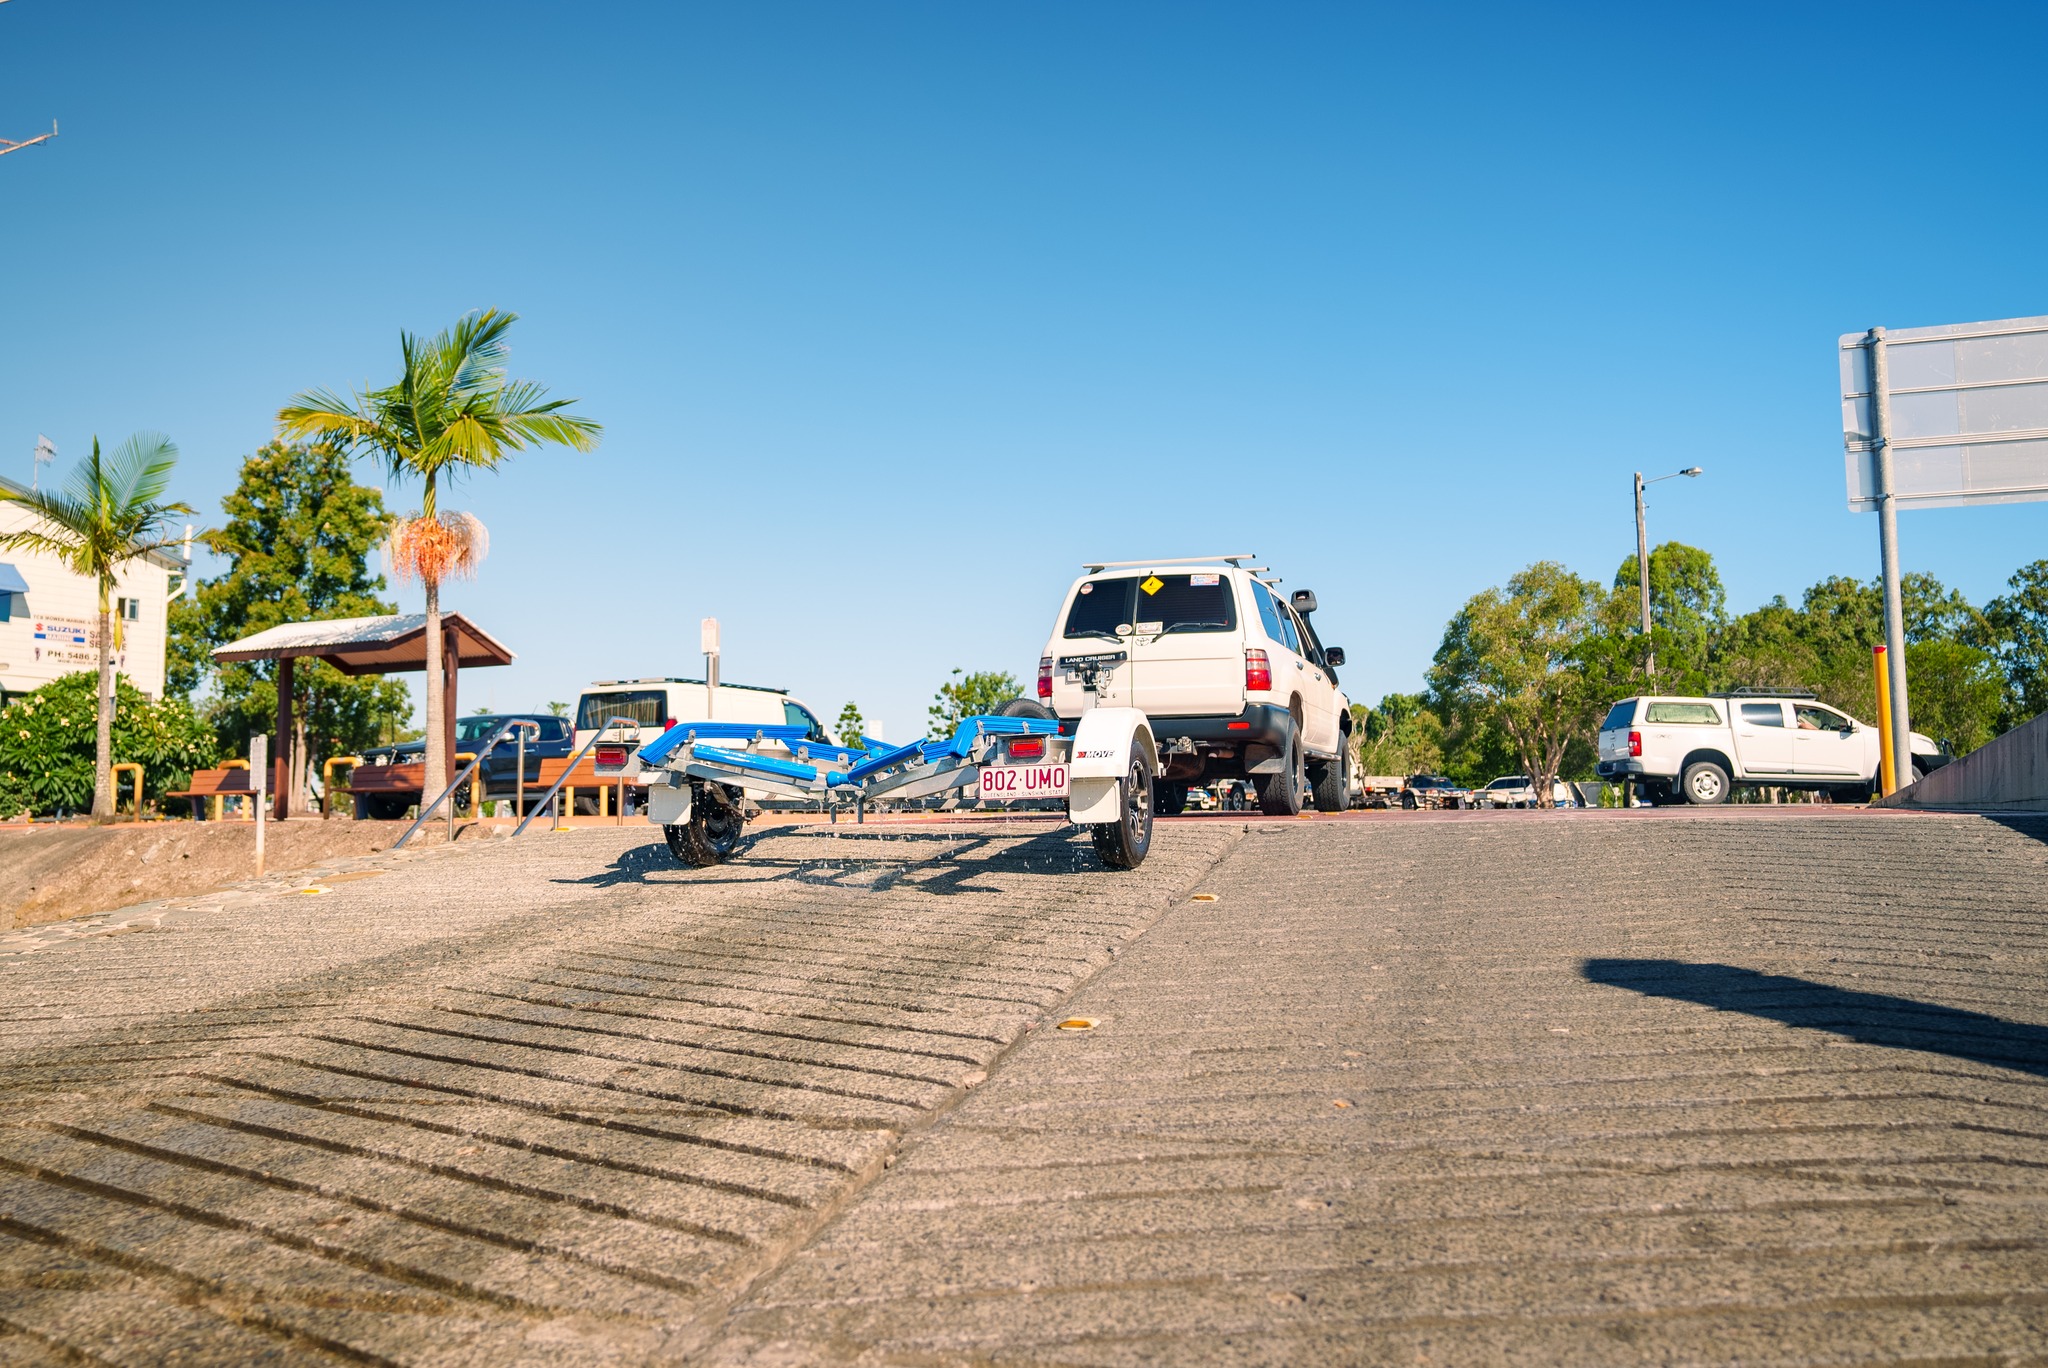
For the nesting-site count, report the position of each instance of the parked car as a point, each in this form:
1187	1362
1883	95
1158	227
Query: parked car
1701	749
499	767
1433	791
1519	791
1380	790
1232	676
655	705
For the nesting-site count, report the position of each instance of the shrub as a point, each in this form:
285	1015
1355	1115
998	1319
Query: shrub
46	744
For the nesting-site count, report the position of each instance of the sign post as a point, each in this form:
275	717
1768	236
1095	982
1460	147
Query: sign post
709	639
259	782
1939	418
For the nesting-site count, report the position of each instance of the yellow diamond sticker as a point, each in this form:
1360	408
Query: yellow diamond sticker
1153	584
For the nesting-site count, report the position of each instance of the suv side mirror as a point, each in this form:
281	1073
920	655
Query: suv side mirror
1304	601
1335	655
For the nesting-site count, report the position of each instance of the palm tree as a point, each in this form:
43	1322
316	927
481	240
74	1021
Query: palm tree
106	515
450	411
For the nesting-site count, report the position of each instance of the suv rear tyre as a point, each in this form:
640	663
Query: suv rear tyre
1705	784
1280	794
1332	783
1122	844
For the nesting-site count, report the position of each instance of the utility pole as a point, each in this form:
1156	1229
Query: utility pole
6	146
46	452
1643	574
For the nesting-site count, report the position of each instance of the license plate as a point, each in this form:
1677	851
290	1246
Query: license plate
1006	783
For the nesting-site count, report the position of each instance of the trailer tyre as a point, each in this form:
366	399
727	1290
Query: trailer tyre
1169	800
1122	844
710	836
1025	707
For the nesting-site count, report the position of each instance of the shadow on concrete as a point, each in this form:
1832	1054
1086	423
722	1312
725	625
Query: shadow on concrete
863	860
1867	1018
2031	825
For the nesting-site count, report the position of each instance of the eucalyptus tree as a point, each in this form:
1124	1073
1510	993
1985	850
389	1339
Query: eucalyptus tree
108	513
450	412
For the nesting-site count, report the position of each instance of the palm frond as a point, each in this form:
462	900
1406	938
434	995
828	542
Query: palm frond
140	470
323	413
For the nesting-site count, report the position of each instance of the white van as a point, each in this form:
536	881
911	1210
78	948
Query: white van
655	705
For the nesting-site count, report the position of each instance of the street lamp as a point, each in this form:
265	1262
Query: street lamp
1643	554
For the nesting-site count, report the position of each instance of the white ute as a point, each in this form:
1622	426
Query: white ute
1699	750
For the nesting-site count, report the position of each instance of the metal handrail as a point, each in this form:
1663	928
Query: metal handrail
570	769
447	794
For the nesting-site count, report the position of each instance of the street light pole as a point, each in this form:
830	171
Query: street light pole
1643	556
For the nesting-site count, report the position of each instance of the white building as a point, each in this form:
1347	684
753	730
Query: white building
49	614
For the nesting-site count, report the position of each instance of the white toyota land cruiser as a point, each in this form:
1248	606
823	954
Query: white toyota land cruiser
1231	675
1698	750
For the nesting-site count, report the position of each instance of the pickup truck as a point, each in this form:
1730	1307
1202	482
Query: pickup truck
1700	750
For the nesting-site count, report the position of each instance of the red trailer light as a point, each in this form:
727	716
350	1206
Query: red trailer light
610	757
1258	672
1635	744
1030	749
1045	676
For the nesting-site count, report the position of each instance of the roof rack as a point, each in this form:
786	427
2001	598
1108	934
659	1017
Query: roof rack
1764	693
1235	559
672	679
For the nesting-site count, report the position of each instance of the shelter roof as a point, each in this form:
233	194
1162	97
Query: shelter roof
367	645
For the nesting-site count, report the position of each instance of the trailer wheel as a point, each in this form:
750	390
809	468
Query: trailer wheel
712	833
1169	800
1122	844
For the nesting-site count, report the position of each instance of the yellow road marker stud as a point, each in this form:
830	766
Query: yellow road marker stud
1341	1102
315	888
1205	897
1078	1024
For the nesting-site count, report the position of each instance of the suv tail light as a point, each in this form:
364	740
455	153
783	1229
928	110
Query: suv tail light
1044	678
1258	672
669	725
1635	744
1031	748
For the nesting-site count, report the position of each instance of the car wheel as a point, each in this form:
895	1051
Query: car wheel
1025	707
1408	802
712	833
379	809
1705	784
1332	781
1918	773
1122	844
1170	800
1280	794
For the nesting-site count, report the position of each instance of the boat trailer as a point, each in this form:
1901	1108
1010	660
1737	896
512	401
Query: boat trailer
697	775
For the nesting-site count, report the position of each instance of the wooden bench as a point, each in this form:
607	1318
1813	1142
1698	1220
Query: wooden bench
584	776
217	785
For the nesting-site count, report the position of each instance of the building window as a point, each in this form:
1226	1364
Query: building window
128	609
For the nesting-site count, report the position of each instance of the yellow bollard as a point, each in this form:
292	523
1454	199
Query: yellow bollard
113	770
219	811
327	779
1887	779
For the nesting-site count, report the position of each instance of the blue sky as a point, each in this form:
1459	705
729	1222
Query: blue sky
895	313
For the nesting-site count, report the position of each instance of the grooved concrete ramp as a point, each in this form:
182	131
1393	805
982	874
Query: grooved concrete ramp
544	1102
2008	774
1723	1087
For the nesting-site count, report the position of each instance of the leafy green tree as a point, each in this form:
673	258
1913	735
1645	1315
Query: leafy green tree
1957	692
1401	736
49	759
850	726
2018	626
965	695
297	540
1688	610
108	513
1532	659
451	411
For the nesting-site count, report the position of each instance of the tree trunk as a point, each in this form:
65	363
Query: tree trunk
103	744
302	791
437	749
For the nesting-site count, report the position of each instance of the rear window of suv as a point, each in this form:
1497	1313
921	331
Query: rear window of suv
644	706
1694	714
1620	715
1173	603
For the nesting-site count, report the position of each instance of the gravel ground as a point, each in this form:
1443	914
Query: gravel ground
1509	1088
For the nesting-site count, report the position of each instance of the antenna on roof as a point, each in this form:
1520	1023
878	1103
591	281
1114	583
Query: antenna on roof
46	450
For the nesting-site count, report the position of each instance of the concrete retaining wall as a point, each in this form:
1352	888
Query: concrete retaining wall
2007	775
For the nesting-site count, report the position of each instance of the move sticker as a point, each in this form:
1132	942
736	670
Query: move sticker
1153	584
